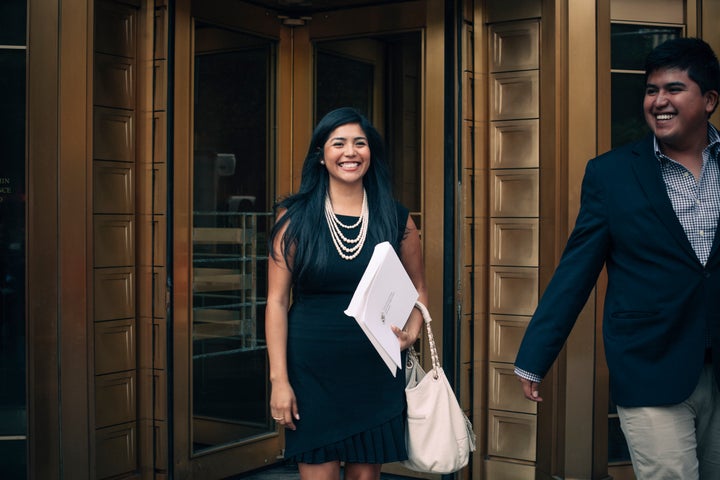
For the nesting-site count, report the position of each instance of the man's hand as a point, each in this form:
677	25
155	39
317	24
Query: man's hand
530	389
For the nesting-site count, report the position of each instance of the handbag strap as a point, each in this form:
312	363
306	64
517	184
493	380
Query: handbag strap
431	340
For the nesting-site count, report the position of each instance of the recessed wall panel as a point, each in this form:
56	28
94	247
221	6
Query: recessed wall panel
468	232
515	144
114	81
464	399
159	237
514	290
514	95
145	240
118	33
467	92
115	450
114	293
505	391
513	140
466	340
506	333
160	79
159	137
515	46
480	298
478	197
161	28
114	135
145	178
159	338
515	241
114	346
115	398
145	328
145	284
113	187
512	435
159	307
160	400
467	145
114	241
159	188
161	445
515	193
498	469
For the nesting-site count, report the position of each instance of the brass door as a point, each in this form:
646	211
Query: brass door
249	85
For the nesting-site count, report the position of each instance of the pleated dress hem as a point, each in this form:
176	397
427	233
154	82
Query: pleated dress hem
384	443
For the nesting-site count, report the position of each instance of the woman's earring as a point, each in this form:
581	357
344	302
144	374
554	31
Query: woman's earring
322	162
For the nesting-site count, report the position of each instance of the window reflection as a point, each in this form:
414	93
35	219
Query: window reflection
13	20
233	148
628	121
13	403
343	82
630	44
380	77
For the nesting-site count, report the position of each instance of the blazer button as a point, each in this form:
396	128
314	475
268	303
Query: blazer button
707	274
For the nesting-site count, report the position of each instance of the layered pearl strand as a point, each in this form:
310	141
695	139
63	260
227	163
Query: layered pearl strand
347	248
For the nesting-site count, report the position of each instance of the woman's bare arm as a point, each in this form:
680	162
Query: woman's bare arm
412	259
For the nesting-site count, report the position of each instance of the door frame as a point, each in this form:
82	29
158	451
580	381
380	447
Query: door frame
294	116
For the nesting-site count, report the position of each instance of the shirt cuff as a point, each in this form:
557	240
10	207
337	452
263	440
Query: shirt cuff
527	375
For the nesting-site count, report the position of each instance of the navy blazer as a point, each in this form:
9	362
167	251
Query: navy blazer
659	299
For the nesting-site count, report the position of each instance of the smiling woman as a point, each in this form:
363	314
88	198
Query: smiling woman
330	389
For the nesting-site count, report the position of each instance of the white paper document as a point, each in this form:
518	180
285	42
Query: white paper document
385	296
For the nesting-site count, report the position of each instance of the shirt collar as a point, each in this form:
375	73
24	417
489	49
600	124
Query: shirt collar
712	147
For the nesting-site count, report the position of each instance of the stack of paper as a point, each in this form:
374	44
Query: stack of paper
385	296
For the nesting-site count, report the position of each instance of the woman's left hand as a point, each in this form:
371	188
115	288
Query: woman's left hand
405	338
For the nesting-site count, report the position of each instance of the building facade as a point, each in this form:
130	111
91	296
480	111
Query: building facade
147	140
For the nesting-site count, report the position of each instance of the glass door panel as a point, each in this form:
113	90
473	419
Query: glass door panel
380	77
248	89
630	44
343	82
13	367
232	150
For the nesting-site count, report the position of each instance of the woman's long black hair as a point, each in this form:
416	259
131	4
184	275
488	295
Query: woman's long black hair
305	216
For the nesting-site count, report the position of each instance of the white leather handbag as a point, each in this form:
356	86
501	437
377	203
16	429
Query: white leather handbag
438	435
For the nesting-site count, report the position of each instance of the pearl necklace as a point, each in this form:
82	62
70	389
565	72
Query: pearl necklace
348	252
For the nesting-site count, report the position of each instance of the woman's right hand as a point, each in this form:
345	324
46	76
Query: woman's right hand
283	404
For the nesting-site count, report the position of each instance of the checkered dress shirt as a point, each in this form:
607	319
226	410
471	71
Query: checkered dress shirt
696	204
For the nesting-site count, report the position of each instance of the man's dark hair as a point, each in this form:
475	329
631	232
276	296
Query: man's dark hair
687	54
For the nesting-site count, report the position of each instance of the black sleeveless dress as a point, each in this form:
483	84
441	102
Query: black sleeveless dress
351	407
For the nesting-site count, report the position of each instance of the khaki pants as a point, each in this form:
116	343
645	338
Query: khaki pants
678	442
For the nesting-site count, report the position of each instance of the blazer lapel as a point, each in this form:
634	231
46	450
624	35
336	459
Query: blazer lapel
713	257
646	168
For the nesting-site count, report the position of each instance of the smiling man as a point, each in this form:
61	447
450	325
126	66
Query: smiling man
649	214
